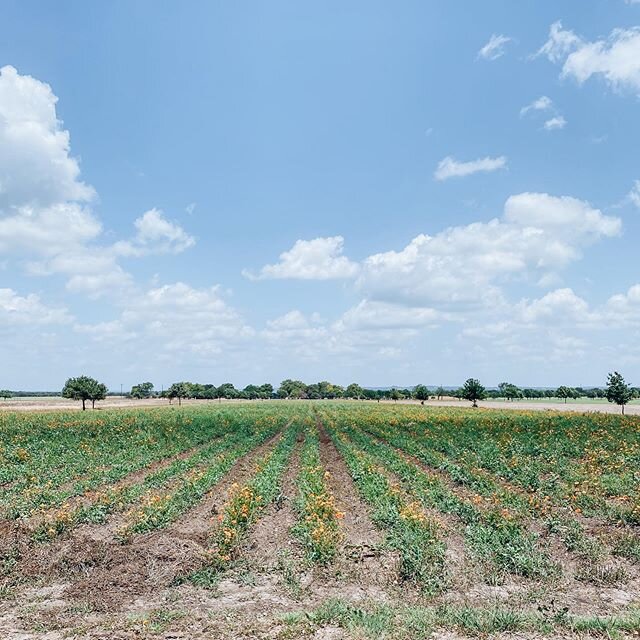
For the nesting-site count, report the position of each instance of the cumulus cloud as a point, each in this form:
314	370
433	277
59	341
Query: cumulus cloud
372	315
561	306
495	48
543	103
634	194
317	259
21	310
39	172
46	220
155	234
176	318
616	58
555	123
450	168
624	308
460	266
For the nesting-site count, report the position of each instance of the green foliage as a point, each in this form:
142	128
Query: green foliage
473	391
142	390
509	391
354	391
84	388
565	393
421	393
618	390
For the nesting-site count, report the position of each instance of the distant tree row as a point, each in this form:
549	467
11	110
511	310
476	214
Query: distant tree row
616	391
85	389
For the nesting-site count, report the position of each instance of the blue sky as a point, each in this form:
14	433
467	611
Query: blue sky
250	191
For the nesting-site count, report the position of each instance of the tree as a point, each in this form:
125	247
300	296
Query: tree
227	390
266	391
84	388
98	392
6	394
292	389
142	390
354	391
251	392
565	392
395	395
179	390
617	390
421	393
509	391
473	391
440	392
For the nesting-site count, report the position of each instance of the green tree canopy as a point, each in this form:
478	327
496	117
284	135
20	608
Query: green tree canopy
142	390
354	391
473	391
421	393
179	390
84	388
292	389
509	391
565	393
617	390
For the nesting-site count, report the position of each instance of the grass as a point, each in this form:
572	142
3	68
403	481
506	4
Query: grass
408	622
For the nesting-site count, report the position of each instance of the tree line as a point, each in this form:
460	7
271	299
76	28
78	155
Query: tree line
87	389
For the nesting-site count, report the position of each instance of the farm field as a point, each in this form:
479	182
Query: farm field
318	520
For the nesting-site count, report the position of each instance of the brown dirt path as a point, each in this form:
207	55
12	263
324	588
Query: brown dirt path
361	552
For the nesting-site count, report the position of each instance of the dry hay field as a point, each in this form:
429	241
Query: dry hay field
331	520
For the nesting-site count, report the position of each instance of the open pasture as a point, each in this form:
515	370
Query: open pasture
318	520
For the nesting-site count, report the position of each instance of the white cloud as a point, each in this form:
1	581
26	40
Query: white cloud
559	44
21	310
616	59
495	48
46	222
634	194
561	305
175	319
543	103
450	168
155	234
624	308
39	172
317	259
538	234
555	123
371	315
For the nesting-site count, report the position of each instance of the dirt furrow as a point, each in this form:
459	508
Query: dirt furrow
106	573
271	536
196	523
361	555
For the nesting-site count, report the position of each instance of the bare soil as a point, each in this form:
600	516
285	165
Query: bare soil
90	586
